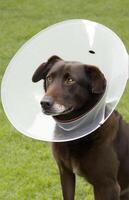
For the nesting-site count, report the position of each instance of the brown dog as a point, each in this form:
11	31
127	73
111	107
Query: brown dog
102	157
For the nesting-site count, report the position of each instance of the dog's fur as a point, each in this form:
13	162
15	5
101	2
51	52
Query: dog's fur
102	157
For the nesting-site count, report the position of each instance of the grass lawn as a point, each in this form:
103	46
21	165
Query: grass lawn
27	168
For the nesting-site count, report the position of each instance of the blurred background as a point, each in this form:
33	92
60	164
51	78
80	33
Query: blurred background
27	168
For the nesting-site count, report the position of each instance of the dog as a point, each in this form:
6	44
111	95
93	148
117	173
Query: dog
102	157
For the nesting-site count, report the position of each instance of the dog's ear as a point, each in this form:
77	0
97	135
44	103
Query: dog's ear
97	81
44	68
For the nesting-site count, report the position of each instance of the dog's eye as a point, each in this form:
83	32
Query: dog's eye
49	79
69	81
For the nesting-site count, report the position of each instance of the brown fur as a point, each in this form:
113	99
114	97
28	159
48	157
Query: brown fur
102	157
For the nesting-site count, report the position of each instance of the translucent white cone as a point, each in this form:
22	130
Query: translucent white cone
73	40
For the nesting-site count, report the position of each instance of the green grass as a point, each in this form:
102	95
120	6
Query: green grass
27	168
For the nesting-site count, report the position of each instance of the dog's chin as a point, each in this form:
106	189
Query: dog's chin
48	112
55	113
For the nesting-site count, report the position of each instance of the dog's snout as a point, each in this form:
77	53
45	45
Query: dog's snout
47	102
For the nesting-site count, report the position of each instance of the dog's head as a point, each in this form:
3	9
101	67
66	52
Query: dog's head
72	88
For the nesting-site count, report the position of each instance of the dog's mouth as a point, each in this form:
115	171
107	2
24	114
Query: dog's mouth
58	110
68	110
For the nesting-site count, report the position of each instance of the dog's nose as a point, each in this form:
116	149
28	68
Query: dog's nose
47	102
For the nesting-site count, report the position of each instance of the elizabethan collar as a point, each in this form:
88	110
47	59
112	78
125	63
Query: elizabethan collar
74	40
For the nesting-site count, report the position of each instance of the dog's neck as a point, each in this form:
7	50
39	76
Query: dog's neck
77	113
83	123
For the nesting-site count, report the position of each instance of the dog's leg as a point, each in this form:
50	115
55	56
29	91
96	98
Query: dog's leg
104	174
67	176
110	191
124	194
67	182
123	178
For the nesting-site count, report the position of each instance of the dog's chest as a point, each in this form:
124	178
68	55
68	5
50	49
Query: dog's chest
76	166
77	158
76	161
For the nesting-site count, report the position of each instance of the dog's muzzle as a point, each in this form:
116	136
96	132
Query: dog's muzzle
50	107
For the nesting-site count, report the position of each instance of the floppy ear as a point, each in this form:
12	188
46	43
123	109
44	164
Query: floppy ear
43	69
96	78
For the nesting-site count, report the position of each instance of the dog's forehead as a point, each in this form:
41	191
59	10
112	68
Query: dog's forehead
56	67
66	66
